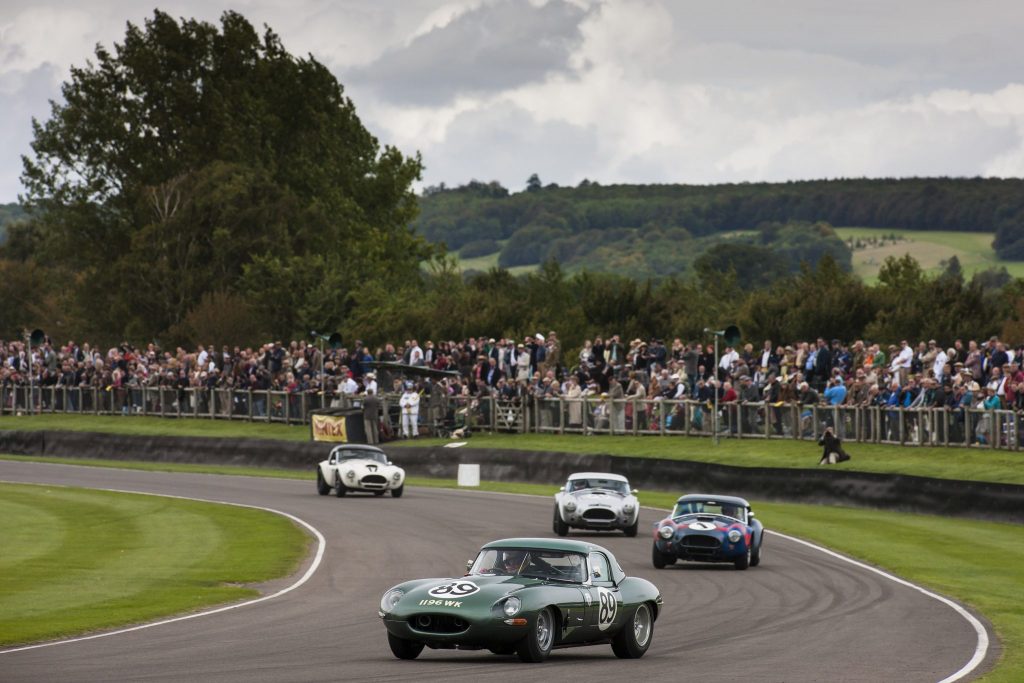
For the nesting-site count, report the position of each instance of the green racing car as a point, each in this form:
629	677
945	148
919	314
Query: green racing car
525	596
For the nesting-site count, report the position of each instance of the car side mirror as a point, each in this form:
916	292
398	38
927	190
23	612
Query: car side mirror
597	572
469	564
562	489
750	514
390	463
635	491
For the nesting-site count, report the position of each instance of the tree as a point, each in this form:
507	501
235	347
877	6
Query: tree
190	159
533	183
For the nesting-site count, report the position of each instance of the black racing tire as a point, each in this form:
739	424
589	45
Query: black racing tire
540	637
404	649
744	561
755	557
658	558
379	493
558	525
339	488
397	493
503	649
322	487
632	529
632	641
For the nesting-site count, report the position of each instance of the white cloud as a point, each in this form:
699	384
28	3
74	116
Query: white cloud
623	91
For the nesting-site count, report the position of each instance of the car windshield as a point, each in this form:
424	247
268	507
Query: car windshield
555	565
354	454
710	507
596	483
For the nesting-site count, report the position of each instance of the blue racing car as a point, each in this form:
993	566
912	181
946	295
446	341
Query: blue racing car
709	528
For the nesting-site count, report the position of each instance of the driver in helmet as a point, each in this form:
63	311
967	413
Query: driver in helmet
512	561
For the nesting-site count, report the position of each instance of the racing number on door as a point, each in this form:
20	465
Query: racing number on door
607	606
454	589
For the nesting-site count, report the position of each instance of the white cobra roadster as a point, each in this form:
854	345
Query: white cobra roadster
596	500
353	467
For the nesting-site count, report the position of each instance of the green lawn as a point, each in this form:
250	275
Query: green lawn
946	463
930	248
76	560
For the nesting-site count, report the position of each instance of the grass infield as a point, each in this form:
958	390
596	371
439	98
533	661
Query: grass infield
980	564
945	463
78	560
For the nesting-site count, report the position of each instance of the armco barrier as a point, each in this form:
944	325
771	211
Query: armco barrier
983	500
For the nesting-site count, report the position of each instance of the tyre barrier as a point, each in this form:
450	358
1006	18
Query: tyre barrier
974	499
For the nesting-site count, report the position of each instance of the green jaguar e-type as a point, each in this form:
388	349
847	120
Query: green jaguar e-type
525	596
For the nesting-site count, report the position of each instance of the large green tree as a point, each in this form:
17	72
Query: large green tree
192	159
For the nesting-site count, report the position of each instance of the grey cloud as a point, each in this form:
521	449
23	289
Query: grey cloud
24	95
489	49
505	143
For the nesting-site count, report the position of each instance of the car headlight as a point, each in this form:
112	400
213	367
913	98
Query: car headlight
666	531
511	606
351	474
735	535
570	505
396	476
628	508
390	599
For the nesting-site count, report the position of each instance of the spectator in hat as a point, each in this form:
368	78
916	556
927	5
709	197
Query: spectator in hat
410	405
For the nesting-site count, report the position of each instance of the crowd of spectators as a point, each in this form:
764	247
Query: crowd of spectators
819	372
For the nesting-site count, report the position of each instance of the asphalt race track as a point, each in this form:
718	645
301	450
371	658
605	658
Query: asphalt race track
802	615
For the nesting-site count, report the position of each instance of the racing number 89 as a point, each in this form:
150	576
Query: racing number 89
455	589
606	615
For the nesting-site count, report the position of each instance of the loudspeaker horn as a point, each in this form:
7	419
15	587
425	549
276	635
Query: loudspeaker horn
335	340
731	335
37	337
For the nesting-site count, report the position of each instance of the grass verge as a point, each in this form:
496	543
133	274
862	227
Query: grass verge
980	564
943	463
77	560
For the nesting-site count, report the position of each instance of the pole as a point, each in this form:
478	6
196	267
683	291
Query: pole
28	359
714	419
323	388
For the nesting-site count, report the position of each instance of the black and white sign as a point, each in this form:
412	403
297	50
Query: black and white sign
454	589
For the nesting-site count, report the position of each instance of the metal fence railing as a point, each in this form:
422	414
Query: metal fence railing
978	428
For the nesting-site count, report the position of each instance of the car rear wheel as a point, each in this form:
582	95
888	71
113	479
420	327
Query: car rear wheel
321	486
404	649
559	526
633	528
744	561
339	488
635	637
659	559
397	493
536	646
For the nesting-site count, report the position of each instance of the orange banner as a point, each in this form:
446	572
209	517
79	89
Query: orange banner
329	428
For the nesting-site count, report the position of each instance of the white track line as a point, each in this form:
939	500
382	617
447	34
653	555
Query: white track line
980	650
321	546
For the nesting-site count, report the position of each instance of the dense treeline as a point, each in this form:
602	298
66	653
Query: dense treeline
572	224
821	301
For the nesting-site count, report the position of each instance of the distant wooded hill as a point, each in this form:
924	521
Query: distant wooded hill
9	213
655	230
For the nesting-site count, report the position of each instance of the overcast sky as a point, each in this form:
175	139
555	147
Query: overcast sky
645	91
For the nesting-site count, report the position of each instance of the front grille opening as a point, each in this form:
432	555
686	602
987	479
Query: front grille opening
438	623
599	513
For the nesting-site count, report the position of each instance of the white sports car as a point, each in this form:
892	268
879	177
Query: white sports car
596	500
353	467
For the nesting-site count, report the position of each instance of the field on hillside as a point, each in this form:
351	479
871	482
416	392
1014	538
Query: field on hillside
930	248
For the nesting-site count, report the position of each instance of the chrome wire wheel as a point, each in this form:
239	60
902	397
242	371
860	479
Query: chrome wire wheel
642	625
544	633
